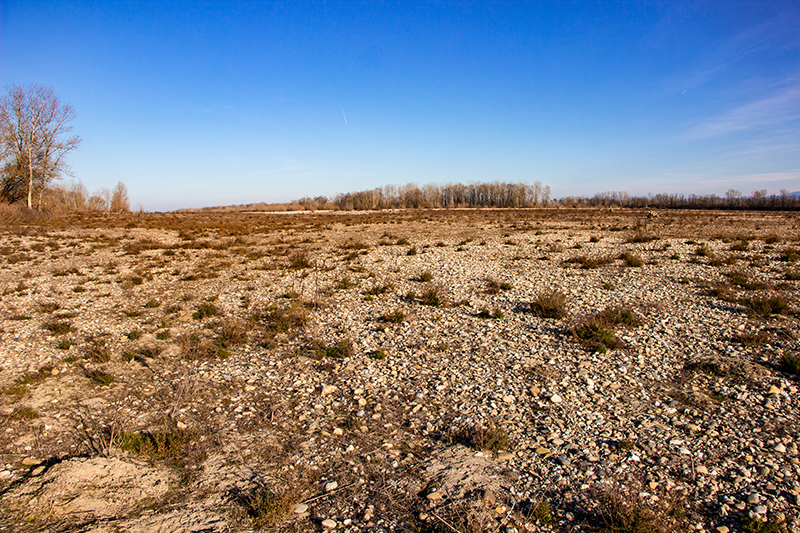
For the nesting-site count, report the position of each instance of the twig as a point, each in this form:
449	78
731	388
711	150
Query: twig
443	521
337	489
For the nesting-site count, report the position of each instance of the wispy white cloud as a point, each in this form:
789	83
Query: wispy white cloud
779	108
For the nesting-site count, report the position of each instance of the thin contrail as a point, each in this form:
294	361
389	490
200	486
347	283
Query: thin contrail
345	117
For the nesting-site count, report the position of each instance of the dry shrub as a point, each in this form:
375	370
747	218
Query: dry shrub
767	305
480	436
620	509
550	304
196	346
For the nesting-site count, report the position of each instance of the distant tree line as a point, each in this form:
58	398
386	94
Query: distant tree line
490	194
733	199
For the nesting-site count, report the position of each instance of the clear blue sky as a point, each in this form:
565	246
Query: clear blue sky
195	104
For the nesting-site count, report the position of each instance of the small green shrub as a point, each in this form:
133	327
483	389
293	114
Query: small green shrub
57	328
486	437
395	317
345	283
205	310
163	335
64	344
135	335
151	304
265	508
24	413
412	251
768	305
426	276
98	377
160	444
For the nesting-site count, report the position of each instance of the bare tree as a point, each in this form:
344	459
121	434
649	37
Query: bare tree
119	198
35	129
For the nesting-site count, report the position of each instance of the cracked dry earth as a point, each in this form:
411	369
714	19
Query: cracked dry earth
401	371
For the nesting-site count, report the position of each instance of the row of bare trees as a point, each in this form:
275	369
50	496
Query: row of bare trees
489	194
733	199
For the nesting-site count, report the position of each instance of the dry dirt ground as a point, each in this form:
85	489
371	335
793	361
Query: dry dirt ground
444	370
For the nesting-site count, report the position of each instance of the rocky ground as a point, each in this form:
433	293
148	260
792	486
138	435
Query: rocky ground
463	370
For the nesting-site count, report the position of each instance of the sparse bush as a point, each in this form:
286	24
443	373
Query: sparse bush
152	304
205	310
494	286
619	315
265	508
344	283
550	304
742	280
412	251
64	344
622	510
486	437
767	305
98	377
300	260
596	334
98	351
231	333
395	317
758	338
791	363
135	335
160	444
426	276
703	251
163	335
342	349
632	260
431	296
379	289
493	313
57	328
24	413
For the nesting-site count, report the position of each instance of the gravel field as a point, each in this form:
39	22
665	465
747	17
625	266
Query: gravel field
443	370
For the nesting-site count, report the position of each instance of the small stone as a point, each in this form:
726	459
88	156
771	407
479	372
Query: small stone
329	524
702	470
328	389
505	456
753	498
780	448
774	390
181	425
54	372
542	451
555	398
300	508
488	497
563	461
338	432
653	485
723	529
31	461
4	474
435	496
760	509
331	485
508	399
